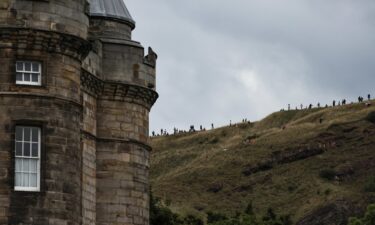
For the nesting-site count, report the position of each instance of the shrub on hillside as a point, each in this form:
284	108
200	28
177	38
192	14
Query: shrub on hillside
370	185
214	140
192	220
371	117
248	218
327	174
213	217
368	219
162	215
249	209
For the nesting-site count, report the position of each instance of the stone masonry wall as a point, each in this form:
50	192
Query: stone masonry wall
119	61
122	125
123	121
53	33
89	181
51	15
122	163
111	29
89	113
89	160
93	62
59	200
123	187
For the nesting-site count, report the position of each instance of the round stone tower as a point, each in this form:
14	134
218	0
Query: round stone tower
122	116
42	45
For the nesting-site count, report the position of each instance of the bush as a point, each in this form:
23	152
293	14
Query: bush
214	140
368	219
213	217
160	214
371	117
327	191
192	220
249	218
327	174
370	185
249	209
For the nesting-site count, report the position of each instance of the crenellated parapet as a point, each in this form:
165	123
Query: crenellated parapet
150	58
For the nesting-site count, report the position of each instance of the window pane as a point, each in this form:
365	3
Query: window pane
18	148
26	165
27	66
27	134
34	150
18	165
18	179
19	133
33	165
26	77
35	134
33	180
26	149
25	180
19	66
35	67
34	77
19	77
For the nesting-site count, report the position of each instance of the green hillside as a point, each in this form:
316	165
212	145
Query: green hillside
288	161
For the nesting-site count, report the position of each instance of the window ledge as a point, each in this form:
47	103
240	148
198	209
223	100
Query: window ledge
26	189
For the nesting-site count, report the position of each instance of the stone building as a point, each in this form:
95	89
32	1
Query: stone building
75	97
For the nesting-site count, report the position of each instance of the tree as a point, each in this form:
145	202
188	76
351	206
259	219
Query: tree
368	219
160	214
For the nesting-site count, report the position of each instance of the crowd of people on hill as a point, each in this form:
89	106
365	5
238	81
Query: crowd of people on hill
334	104
176	131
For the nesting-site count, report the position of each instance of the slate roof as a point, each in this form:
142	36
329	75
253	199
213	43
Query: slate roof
112	9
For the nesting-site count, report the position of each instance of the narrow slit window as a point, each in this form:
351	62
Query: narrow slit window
27	158
28	73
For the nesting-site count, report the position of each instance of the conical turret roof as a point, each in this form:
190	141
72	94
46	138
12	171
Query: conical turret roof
115	9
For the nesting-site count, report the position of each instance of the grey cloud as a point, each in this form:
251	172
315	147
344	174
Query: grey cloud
227	60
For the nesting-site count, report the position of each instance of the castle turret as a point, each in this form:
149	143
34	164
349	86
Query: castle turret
42	45
122	116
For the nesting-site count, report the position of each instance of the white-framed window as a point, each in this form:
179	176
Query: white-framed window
29	73
27	158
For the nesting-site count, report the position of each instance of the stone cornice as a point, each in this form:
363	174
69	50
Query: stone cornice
41	96
118	91
49	41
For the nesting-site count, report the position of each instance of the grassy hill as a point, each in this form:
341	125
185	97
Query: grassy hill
288	161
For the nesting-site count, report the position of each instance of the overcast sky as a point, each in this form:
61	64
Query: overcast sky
227	60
